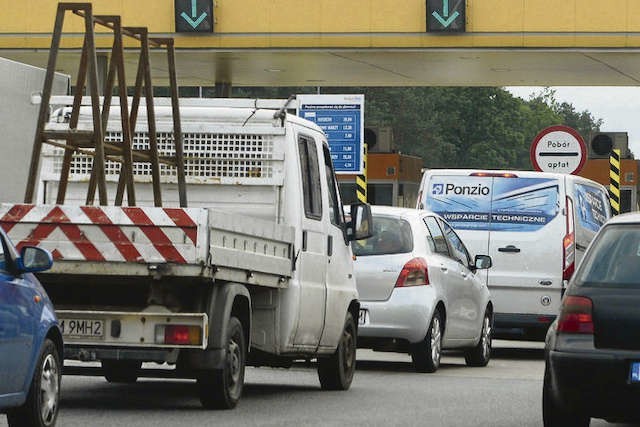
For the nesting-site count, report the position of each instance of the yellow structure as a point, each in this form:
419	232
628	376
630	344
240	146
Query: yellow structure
365	42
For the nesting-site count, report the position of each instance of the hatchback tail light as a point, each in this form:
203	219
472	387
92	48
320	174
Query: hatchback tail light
414	273
576	316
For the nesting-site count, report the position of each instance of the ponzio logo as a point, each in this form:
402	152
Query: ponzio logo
461	190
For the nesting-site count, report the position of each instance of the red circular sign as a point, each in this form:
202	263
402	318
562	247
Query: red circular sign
558	149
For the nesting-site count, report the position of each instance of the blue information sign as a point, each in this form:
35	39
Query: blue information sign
341	119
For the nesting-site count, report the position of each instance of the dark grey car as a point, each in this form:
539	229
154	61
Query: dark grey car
592	352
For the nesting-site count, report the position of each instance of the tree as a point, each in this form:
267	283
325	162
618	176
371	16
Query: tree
583	121
454	127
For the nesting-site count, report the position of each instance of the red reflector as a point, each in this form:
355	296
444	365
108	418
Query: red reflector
182	335
176	334
545	319
576	316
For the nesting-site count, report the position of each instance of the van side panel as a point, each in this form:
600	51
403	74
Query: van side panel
592	210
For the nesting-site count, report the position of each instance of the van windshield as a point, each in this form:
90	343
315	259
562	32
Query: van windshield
614	259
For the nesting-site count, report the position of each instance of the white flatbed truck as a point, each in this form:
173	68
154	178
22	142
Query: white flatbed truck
256	271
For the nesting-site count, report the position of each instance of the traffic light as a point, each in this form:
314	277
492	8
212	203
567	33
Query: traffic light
601	144
379	139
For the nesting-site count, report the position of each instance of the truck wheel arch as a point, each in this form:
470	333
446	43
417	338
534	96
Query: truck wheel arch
227	300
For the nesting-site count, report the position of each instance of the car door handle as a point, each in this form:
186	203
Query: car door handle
509	248
444	268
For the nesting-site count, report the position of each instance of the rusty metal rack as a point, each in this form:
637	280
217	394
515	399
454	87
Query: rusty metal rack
93	141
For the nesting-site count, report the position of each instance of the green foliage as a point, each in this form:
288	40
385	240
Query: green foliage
458	127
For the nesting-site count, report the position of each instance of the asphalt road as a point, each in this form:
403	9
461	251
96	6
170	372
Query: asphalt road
385	392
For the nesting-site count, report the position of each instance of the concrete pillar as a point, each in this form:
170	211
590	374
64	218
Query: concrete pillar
223	90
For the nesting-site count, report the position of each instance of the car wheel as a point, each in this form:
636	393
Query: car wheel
336	372
554	415
121	371
222	388
43	399
481	353
426	354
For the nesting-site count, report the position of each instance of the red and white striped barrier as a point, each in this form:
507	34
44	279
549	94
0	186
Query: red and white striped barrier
107	233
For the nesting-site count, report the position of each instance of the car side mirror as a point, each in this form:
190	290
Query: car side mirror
482	262
361	224
33	259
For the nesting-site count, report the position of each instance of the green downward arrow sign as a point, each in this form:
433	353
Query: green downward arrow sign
445	20
194	20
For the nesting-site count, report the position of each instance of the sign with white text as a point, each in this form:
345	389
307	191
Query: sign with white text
341	117
558	149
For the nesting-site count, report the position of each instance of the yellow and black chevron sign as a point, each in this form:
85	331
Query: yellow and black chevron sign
361	180
614	181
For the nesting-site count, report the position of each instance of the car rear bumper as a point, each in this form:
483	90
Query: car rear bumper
404	316
596	383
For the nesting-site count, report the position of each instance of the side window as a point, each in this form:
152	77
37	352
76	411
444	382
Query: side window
459	250
335	207
310	176
438	239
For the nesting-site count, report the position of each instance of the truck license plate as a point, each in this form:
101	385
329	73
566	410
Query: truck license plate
90	328
363	317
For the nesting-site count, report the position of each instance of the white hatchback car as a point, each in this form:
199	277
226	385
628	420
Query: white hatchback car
418	290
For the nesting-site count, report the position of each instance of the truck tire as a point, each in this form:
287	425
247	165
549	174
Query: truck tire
43	399
336	372
121	371
222	388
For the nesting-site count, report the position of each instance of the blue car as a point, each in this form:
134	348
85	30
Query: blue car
31	346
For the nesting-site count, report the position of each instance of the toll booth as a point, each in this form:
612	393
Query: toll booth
393	179
598	170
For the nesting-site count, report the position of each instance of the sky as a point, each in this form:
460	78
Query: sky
619	107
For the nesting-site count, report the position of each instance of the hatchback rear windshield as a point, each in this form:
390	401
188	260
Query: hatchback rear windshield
614	259
390	236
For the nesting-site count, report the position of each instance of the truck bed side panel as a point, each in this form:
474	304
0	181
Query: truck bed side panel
110	234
